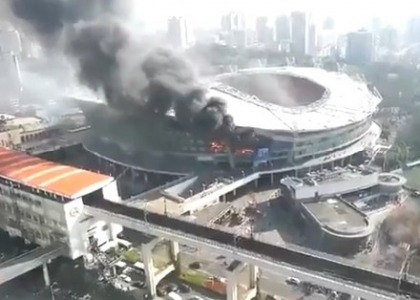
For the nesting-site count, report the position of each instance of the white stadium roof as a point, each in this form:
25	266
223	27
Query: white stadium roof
345	102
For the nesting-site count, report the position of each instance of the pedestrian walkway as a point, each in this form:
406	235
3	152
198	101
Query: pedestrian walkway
28	261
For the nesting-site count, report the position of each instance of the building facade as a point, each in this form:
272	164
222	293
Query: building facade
42	202
360	48
300	33
179	33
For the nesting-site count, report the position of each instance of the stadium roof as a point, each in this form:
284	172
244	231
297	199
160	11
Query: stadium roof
47	176
345	102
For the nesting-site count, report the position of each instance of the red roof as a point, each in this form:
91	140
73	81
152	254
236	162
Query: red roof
48	176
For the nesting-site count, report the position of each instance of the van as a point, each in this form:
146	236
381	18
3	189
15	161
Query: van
174	296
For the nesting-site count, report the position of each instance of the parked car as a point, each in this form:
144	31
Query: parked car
195	265
138	284
162	290
172	287
126	278
292	281
184	288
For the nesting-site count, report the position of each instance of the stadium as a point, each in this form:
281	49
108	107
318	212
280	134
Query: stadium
285	119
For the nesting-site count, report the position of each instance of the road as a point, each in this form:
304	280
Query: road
270	283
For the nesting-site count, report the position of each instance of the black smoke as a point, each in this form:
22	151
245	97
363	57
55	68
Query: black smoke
49	17
111	59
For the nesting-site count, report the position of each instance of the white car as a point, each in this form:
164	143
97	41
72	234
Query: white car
292	281
125	278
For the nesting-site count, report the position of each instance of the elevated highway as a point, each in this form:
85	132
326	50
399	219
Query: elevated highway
30	260
332	272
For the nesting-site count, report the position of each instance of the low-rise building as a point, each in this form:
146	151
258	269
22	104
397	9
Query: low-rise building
336	204
42	202
15	131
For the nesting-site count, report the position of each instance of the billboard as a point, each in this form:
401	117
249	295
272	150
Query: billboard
262	156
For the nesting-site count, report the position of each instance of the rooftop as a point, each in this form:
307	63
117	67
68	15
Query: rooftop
345	102
47	176
337	216
319	177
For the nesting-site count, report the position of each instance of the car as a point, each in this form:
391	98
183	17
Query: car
292	281
138	284
195	298
125	278
172	287
195	265
184	288
161	290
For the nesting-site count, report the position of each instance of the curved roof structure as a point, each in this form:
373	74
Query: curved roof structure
48	176
345	101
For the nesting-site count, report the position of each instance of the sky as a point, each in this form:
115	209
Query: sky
349	14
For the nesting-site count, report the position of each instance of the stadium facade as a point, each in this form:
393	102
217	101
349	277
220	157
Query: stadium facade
286	119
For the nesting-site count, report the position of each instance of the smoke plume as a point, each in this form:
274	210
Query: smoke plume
110	58
49	17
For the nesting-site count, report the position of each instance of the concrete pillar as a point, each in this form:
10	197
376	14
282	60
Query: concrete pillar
234	193
272	178
149	268
253	276
46	275
146	178
256	183
224	198
174	251
232	286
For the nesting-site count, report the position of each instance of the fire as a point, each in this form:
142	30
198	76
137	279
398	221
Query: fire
218	147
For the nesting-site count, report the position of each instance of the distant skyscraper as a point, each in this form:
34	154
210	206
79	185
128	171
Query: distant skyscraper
360	47
300	33
413	30
388	38
263	31
312	40
233	21
179	34
234	31
282	29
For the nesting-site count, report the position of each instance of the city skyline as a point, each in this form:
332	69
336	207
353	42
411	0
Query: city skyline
204	16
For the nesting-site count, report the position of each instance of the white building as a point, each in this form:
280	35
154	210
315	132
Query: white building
300	33
179	33
42	202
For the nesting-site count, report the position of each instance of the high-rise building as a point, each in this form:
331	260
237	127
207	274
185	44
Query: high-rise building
312	40
360	47
263	31
388	38
282	29
233	21
233	30
300	33
179	33
413	30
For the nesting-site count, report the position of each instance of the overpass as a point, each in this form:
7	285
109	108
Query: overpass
30	260
326	270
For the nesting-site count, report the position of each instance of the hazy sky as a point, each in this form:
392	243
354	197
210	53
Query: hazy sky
349	14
